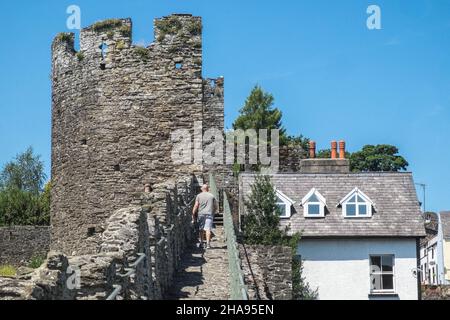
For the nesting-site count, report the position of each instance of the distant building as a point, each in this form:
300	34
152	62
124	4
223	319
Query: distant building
360	231
429	252
444	246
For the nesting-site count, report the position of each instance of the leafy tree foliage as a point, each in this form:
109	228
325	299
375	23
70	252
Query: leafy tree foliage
372	159
261	226
258	113
22	199
25	173
381	157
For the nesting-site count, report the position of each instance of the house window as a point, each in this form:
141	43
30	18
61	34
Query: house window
314	205
382	274
356	205
284	205
282	208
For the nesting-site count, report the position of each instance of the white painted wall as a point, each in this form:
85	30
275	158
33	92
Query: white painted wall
340	269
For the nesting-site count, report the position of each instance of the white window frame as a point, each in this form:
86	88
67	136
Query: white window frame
285	200
358	193
322	203
382	291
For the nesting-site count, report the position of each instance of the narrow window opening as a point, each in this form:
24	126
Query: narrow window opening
91	231
117	167
84	142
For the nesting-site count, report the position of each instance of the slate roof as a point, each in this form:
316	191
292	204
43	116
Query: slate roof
396	211
445	221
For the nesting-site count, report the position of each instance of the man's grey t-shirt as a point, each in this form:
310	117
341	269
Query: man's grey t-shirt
207	203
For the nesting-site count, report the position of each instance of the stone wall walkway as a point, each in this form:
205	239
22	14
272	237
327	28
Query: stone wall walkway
204	273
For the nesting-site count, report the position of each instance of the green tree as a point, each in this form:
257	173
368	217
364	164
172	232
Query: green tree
261	223
377	158
261	226
22	199
25	173
258	113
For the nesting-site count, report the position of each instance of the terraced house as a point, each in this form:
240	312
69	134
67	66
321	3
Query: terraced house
360	231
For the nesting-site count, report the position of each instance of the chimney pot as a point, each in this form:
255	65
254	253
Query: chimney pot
312	149
342	149
333	149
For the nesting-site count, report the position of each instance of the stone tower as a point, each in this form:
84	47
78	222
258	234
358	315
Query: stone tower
114	107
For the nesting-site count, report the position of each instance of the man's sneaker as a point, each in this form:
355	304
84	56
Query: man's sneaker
208	246
200	245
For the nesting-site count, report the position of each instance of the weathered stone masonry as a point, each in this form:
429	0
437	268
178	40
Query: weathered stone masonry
160	228
19	244
114	107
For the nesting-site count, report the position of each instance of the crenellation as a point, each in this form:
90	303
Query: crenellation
113	114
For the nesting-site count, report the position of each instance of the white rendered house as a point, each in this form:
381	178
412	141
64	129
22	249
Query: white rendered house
360	231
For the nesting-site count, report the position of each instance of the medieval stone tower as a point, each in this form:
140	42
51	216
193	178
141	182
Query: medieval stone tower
114	107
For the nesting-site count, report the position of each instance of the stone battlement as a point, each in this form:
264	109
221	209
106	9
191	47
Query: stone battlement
176	37
114	108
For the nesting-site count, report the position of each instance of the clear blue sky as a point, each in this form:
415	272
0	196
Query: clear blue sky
331	76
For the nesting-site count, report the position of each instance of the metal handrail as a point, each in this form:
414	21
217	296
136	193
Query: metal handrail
130	271
115	293
238	289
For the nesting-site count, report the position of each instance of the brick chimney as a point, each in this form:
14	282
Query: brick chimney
333	149
312	149
334	165
342	149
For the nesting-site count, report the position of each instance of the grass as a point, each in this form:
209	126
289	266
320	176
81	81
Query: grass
171	25
107	25
195	28
64	37
7	271
120	45
142	52
36	262
125	30
80	56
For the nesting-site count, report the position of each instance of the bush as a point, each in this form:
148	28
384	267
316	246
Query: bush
7	271
36	262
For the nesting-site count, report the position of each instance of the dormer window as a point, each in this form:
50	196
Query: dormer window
314	205
284	205
356	205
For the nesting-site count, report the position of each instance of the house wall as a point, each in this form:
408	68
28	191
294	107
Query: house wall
339	268
429	262
446	249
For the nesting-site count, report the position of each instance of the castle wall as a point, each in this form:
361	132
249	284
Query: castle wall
113	112
19	244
